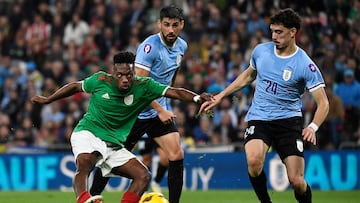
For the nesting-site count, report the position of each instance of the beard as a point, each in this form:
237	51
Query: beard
169	39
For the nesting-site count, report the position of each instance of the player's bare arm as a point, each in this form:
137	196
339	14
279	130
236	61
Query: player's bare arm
65	91
244	79
187	95
321	112
165	116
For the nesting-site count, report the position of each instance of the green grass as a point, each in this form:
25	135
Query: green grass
212	196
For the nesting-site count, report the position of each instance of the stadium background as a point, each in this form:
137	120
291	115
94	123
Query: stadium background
40	51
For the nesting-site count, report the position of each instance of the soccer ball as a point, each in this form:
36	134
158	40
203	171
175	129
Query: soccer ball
153	197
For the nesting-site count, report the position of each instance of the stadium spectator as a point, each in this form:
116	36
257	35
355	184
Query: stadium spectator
349	92
75	30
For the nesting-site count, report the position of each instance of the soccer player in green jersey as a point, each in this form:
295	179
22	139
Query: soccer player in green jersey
115	102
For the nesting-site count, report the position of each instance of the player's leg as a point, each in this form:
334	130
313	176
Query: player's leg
135	170
295	170
170	143
256	147
99	183
85	163
146	148
161	169
255	155
86	149
290	148
163	165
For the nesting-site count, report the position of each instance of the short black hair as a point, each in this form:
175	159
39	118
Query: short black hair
287	17
124	57
171	12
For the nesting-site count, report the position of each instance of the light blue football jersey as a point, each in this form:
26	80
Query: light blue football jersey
162	62
280	82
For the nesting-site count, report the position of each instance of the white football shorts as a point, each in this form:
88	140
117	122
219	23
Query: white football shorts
86	142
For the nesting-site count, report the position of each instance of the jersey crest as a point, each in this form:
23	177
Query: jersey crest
299	145
128	100
286	74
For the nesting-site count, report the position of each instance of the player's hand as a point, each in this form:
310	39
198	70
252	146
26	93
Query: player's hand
40	100
309	135
166	116
209	104
205	97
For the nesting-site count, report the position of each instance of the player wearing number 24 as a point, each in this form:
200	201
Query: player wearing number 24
282	71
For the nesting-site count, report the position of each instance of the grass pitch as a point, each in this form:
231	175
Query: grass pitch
211	196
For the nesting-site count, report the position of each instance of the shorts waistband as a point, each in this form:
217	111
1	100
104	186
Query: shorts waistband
113	145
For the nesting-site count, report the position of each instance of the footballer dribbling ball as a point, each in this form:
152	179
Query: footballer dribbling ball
153	197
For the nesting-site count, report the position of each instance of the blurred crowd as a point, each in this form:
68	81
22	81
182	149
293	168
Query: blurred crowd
45	44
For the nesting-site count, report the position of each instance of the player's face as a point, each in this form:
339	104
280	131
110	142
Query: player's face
123	75
282	36
170	29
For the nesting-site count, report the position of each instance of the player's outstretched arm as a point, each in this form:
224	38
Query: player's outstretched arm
187	95
320	115
244	79
65	91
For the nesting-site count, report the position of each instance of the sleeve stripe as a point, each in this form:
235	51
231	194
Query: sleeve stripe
82	85
142	66
163	93
315	87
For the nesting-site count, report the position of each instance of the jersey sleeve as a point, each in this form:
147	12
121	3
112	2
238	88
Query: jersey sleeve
90	82
146	55
254	55
313	76
157	89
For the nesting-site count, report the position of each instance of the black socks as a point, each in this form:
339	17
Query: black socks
260	188
175	180
305	197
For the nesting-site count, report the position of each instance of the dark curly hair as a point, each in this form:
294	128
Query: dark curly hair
287	17
171	12
124	57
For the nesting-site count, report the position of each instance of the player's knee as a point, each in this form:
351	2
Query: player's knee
297	182
255	165
144	177
177	154
85	164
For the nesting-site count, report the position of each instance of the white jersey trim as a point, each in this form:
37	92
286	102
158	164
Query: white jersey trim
284	57
316	87
142	67
82	85
163	93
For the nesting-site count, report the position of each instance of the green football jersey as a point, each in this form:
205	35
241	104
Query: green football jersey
111	114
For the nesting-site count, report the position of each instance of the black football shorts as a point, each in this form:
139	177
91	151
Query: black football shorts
284	135
153	127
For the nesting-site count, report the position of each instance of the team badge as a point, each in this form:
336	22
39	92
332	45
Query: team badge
178	59
286	75
128	100
147	48
312	67
300	145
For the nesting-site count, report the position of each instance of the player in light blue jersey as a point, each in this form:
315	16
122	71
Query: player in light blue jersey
283	71
159	57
